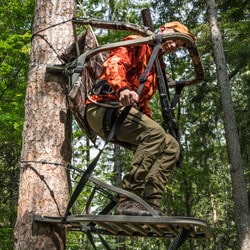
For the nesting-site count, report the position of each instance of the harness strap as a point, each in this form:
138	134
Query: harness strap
155	52
109	119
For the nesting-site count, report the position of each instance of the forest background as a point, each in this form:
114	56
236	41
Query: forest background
202	187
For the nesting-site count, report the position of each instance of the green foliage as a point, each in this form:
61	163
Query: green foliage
15	33
177	10
202	186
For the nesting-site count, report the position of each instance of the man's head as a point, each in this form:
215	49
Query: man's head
170	46
176	27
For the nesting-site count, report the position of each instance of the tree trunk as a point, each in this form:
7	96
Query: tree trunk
240	197
46	149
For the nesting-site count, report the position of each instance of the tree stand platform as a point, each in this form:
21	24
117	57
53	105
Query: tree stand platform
177	228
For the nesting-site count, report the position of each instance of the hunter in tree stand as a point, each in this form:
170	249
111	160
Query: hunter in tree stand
155	151
115	107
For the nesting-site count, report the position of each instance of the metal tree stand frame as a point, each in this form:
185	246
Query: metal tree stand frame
106	222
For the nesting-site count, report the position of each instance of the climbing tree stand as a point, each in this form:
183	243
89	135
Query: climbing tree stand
106	222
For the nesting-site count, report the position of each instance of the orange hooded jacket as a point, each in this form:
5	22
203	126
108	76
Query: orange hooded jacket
122	69
124	66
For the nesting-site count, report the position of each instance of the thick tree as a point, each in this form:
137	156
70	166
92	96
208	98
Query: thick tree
240	196
46	146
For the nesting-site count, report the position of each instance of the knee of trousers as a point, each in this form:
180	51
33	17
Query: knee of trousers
155	138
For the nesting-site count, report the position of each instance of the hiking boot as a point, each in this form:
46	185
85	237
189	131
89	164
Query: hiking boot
130	207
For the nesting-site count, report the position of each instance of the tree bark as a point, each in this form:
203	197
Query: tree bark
240	197
46	149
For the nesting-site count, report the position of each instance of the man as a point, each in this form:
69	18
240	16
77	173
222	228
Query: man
155	152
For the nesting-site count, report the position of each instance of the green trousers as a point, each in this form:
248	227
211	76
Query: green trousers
155	152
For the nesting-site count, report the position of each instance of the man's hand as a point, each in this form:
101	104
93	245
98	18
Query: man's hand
128	97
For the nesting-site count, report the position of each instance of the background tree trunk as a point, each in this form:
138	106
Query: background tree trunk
47	131
236	167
